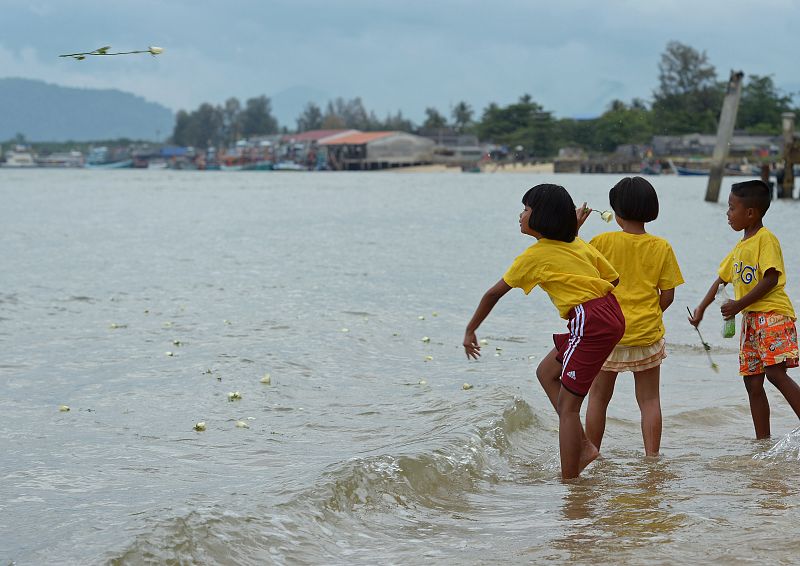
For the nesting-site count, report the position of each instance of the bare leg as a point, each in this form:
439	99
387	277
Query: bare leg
647	396
759	404
549	374
599	398
778	377
576	451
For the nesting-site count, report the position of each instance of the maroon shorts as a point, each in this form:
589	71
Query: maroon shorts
595	327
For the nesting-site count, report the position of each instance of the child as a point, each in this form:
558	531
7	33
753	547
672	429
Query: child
579	281
648	274
768	343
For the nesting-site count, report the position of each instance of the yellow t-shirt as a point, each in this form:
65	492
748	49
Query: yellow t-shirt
570	273
646	264
745	267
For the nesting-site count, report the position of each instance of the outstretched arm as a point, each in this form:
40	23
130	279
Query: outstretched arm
697	315
489	300
732	308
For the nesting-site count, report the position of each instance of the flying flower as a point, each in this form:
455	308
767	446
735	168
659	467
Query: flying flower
152	50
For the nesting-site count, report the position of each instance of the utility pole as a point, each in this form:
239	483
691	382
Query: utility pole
791	153
727	120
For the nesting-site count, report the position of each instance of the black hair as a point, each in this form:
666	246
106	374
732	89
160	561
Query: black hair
552	212
634	198
754	194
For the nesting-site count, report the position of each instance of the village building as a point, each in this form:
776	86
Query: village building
377	150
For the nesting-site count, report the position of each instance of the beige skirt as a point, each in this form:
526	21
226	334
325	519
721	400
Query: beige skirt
635	358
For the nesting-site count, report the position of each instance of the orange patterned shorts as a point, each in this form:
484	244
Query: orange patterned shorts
767	339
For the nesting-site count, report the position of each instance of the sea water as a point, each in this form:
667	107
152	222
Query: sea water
141	299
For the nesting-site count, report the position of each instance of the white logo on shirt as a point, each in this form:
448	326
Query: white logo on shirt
571	374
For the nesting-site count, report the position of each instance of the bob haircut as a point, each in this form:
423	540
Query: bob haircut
552	212
634	198
754	194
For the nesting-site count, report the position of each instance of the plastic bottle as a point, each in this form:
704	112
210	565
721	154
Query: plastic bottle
728	324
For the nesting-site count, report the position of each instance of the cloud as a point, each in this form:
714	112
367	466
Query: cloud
573	56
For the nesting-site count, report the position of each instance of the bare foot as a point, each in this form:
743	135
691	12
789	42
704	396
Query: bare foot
589	454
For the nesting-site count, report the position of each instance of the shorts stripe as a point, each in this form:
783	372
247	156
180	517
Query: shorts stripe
576	333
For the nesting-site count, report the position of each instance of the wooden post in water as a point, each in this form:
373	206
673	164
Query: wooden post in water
727	120
788	154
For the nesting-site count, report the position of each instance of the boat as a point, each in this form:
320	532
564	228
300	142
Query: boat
288	166
103	158
61	160
21	157
690	172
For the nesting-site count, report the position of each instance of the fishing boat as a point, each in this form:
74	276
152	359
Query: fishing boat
21	157
102	158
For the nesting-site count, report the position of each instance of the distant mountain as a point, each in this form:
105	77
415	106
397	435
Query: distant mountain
47	112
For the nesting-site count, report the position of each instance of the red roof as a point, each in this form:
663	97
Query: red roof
315	135
357	138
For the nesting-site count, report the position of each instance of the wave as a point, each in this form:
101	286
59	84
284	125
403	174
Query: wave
372	497
787	449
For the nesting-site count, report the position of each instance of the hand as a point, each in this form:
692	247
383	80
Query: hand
471	346
729	309
582	213
695	317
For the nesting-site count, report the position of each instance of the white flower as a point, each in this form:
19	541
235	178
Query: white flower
155	50
242	424
607	215
266	380
63	408
200	427
466	386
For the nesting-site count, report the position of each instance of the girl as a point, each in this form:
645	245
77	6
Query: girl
579	281
648	273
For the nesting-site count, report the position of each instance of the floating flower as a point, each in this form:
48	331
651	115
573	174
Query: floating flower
169	354
200	427
63	408
423	382
483	342
242	424
266	380
466	386
420	317
234	396
426	339
428	358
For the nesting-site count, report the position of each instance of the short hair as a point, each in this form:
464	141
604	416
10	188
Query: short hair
553	212
754	193
634	198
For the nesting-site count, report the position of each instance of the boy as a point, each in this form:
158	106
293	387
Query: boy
768	343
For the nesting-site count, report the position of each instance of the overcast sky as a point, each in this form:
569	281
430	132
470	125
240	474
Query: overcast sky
573	57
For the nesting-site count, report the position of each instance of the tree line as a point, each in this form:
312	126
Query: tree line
687	100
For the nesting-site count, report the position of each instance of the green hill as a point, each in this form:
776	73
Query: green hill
47	112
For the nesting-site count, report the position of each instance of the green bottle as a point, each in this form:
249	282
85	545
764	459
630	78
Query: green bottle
728	324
